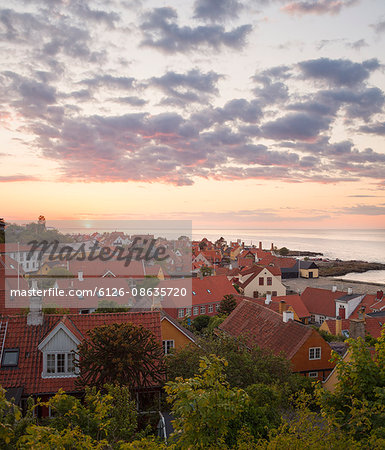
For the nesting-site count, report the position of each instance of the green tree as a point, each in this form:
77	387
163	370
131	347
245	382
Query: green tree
201	322
358	401
121	353
227	305
102	420
283	251
203	406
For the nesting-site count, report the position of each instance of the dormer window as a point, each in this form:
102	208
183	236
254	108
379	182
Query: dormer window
60	363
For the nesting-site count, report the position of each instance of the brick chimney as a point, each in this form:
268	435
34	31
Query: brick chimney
272	246
282	306
338	326
357	328
260	245
35	315
380	295
287	315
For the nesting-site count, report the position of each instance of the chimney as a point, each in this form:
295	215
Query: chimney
380	294
268	299
338	326
334	288
35	315
80	276
350	291
272	246
357	328
288	315
2	230
282	306
361	313
260	245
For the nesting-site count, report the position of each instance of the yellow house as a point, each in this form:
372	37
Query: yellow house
308	269
174	335
332	380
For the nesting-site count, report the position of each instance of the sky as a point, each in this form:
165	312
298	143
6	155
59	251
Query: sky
229	113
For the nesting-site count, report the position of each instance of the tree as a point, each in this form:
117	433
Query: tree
121	353
201	322
283	251
103	420
227	305
358	401
204	406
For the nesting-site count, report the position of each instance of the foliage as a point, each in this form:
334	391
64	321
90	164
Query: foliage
122	354
108	306
357	403
246	365
214	323
103	419
329	337
205	405
227	305
10	414
201	322
33	231
54	309
283	251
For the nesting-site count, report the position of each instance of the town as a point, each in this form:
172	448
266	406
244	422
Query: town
155	317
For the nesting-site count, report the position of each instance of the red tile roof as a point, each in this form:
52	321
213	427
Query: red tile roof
265	328
373	325
26	338
281	262
321	301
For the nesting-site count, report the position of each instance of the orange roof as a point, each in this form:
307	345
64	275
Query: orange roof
373	325
265	328
321	301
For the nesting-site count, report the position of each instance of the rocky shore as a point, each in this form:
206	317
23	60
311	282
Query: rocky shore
340	268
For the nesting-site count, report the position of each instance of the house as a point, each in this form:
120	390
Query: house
37	358
342	327
308	269
29	260
303	346
326	304
202	296
174	335
292	303
288	266
259	281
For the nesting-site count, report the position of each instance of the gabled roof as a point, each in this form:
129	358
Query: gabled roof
265	328
281	262
321	301
373	325
26	338
181	328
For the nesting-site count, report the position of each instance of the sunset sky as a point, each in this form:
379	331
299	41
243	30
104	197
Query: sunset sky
255	113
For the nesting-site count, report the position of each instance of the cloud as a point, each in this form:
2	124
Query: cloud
161	31
16	178
375	128
317	6
130	100
365	210
217	10
296	126
338	72
193	86
357	45
109	81
379	27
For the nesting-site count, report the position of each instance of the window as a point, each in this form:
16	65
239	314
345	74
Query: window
217	307
312	318
269	281
322	319
196	310
60	364
261	281
181	312
203	309
274	293
188	311
315	353
208	290
313	374
168	346
211	308
10	358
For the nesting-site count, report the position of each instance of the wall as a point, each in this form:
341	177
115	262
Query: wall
171	333
301	362
262	290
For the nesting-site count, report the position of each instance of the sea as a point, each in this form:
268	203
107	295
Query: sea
345	244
